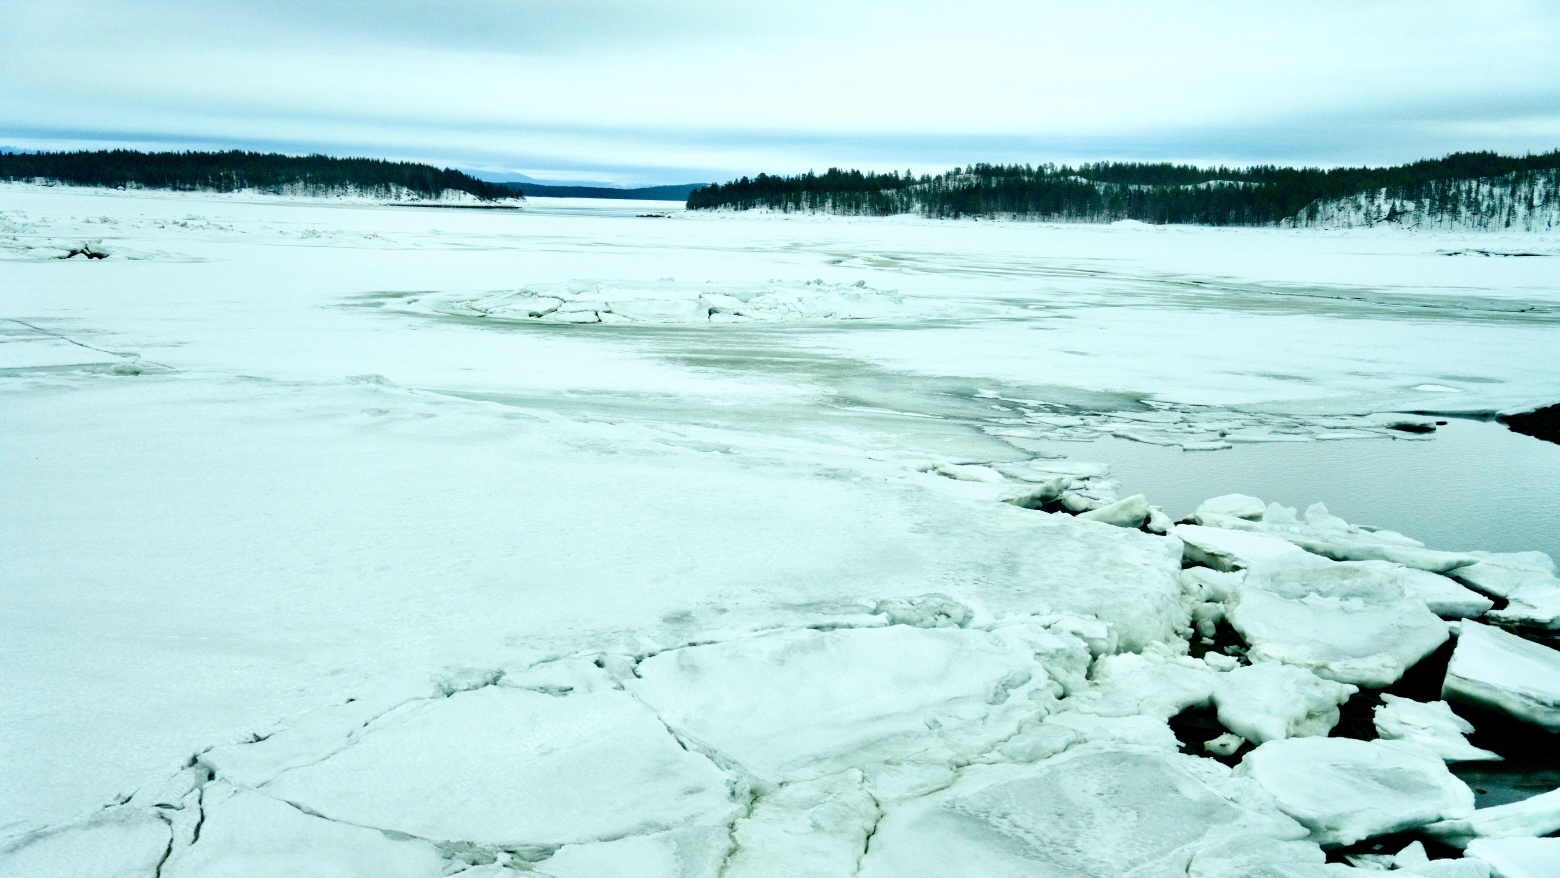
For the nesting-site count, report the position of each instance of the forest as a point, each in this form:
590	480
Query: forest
1110	191
235	170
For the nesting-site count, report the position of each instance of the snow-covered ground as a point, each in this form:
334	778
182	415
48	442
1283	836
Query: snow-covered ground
601	536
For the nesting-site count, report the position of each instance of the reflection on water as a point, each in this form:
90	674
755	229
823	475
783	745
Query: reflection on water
1470	485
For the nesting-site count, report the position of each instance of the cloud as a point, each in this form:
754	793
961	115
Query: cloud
659	91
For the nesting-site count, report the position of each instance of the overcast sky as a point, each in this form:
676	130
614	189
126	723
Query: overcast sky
642	92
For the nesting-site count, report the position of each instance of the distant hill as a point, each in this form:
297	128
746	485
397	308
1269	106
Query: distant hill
678	192
1463	190
235	170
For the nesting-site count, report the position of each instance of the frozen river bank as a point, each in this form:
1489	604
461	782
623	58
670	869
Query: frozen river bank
267	457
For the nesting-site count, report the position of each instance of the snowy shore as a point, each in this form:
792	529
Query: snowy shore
428	542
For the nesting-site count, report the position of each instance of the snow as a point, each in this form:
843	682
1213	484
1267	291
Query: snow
1353	623
1518	857
1493	669
1430	725
1539	815
1345	790
324	554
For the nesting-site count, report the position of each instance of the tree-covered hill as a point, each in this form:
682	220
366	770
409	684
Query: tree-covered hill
1109	191
235	170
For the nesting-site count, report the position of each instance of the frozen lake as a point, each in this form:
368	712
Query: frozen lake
272	458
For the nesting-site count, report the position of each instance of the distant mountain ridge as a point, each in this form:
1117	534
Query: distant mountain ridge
236	170
1479	190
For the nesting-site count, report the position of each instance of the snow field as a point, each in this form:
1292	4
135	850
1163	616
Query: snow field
785	595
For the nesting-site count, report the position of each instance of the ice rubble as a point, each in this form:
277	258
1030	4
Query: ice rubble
667	301
1539	815
1325	534
1497	670
1430	725
1345	790
1518	857
1347	622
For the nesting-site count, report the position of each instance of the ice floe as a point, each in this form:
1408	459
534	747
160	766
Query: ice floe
1518	857
514	768
1346	622
1345	790
1143	812
1270	701
1497	670
1430	725
1537	816
798	705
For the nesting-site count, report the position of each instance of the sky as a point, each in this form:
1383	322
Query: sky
639	93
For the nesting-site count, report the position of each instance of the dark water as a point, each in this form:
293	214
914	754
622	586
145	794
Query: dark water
1470	485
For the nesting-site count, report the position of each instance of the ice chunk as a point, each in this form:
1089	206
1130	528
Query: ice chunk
925	611
1494	669
1461	868
1500	574
248	835
1327	535
514	767
1130	512
1345	790
1232	505
1444	596
1214	585
1094	810
109	844
1041	494
1228	549
1518	857
801	704
1431	725
1537	816
1353	623
1148	685
1225	744
1270	701
1158	522
965	472
1534	604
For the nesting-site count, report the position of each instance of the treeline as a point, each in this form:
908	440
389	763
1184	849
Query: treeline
235	170
1108	191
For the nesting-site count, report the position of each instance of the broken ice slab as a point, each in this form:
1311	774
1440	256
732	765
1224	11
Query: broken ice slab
1094	810
254	835
1129	512
117	841
1528	818
1518	857
1534	604
1345	790
1350	623
1501	573
1270	701
1232	505
1329	536
1500	671
514	767
1228	550
1431	725
800	704
1443	596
